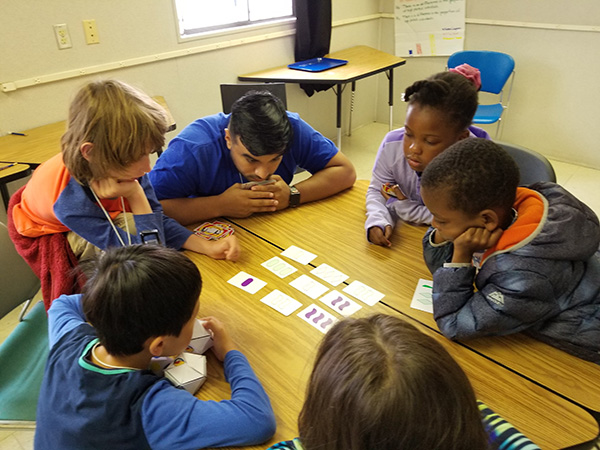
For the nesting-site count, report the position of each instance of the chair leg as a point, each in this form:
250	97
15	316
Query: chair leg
5	195
499	129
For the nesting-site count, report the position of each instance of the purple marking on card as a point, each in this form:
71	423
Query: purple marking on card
247	282
344	305
319	317
326	323
308	314
339	299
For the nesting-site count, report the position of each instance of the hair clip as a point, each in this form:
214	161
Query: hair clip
470	73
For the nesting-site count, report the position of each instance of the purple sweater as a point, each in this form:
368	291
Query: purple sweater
391	167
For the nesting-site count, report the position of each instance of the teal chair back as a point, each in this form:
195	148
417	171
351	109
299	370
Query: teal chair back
24	352
23	357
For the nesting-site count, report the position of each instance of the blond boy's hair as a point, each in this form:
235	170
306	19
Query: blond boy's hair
121	122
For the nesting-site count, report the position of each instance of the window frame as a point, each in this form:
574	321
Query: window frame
232	28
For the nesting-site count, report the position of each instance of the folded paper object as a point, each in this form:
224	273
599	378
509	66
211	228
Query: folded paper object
201	339
187	371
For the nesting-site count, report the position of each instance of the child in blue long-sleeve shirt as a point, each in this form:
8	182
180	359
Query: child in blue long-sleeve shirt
140	301
97	190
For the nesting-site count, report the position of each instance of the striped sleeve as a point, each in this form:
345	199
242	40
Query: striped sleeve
294	444
503	435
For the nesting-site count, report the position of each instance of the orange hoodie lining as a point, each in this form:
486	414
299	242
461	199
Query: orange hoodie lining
530	209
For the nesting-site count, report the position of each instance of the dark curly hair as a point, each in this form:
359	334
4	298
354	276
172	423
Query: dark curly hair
476	173
449	92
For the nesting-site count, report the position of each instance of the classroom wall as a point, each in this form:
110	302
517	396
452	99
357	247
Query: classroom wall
141	28
555	102
553	108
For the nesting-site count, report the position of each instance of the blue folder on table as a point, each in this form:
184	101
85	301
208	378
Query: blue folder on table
317	64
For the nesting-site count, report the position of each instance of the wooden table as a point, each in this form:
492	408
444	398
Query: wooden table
42	143
338	223
281	350
363	62
38	145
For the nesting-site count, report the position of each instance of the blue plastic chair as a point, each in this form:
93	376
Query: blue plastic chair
24	352
496	68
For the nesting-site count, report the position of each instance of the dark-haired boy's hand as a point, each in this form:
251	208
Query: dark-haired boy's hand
222	342
280	190
380	237
238	202
473	240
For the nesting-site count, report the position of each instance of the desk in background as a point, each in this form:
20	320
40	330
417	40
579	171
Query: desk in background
282	349
336	226
42	143
363	62
10	171
38	145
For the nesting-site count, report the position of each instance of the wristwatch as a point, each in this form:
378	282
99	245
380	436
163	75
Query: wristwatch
294	197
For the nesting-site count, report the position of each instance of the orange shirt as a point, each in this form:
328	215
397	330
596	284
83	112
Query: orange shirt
34	216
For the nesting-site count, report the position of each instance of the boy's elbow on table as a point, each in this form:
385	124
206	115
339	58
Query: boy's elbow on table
447	327
259	425
459	326
350	176
265	423
266	428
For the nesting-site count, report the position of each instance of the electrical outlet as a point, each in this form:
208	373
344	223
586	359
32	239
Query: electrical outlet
63	39
91	32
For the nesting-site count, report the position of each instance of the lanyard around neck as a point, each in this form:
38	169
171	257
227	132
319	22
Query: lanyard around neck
112	224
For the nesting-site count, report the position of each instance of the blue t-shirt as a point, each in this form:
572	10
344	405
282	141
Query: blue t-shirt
197	163
84	406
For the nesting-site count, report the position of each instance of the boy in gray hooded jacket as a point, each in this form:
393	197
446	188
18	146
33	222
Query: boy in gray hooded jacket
532	253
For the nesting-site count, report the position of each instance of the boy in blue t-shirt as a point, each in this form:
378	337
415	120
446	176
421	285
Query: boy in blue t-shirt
140	301
211	168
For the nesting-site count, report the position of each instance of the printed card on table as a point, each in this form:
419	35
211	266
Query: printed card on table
422	296
340	303
281	302
298	254
279	267
327	273
363	292
213	231
247	282
317	317
308	286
